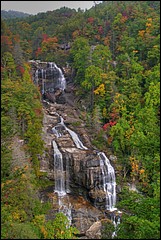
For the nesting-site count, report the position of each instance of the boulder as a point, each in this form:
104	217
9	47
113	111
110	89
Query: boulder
94	232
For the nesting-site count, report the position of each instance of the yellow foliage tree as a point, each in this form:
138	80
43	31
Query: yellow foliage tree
100	90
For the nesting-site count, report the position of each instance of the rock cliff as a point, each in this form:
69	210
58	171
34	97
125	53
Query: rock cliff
85	201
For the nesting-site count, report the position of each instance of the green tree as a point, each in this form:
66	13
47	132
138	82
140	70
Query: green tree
101	57
92	80
80	53
59	228
142	220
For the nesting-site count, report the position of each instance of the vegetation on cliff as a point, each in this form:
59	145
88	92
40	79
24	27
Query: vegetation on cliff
23	215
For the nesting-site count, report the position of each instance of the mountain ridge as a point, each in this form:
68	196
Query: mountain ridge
6	14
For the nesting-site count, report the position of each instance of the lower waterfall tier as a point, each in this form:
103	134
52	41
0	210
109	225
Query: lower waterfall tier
74	165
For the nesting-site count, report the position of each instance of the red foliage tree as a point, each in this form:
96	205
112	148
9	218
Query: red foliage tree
38	52
100	30
45	37
90	20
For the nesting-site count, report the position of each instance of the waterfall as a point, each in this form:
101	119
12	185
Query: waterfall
50	65
109	182
57	130
107	177
76	139
61	178
52	74
116	221
43	89
107	171
61	82
52	79
36	79
67	187
65	207
109	187
58	171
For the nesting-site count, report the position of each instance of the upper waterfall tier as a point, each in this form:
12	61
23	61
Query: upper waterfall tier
48	76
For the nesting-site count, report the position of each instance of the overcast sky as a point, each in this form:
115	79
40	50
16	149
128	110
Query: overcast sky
34	7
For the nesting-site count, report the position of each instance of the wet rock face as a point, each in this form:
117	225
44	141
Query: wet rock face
81	166
50	96
50	78
84	215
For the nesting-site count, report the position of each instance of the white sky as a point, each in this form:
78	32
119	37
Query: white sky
34	7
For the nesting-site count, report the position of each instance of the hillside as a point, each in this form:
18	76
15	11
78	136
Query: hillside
13	14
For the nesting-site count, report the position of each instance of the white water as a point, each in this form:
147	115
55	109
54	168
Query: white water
36	77
65	207
57	130
58	171
109	185
116	222
107	171
62	176
61	81
43	82
61	180
61	84
76	139
107	178
109	182
60	188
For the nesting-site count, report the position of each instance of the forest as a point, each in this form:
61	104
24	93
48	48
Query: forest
113	50
13	14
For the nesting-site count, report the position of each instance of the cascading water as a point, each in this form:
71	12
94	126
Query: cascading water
65	207
61	82
36	77
58	171
107	171
116	222
61	173
61	182
74	136
109	182
51	76
60	187
43	82
57	130
107	175
109	186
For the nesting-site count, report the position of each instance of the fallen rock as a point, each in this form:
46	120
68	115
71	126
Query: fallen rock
94	232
